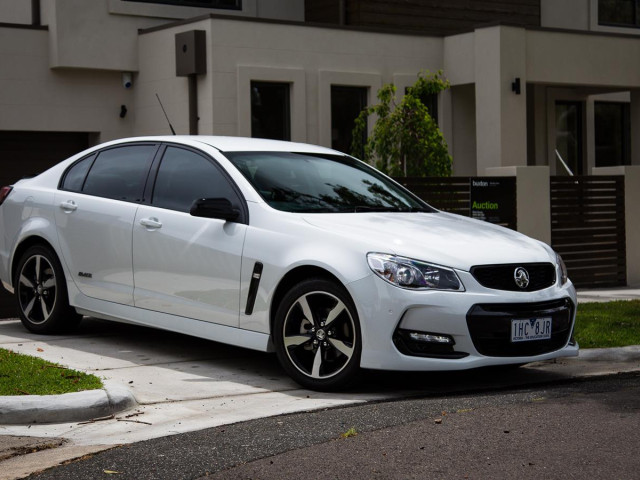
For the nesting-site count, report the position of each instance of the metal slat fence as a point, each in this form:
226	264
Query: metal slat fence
588	228
451	194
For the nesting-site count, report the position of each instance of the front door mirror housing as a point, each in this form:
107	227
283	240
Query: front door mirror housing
220	208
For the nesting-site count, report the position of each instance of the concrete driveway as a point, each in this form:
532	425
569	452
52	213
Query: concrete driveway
181	383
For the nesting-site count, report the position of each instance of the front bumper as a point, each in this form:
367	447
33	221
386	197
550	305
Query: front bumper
477	320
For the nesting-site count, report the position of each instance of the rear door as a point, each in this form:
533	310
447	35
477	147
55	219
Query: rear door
184	265
95	211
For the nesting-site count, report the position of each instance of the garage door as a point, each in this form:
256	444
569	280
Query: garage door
29	153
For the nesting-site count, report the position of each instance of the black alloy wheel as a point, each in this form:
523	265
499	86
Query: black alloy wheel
41	292
317	335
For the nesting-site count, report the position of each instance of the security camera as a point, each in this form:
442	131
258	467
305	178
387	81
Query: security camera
127	79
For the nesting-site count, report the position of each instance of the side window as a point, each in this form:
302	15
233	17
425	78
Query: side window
74	178
120	173
185	176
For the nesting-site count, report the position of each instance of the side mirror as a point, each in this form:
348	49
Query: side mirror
214	208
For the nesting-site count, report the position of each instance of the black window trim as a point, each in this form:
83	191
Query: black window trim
155	167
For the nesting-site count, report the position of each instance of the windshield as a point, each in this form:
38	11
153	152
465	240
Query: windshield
304	182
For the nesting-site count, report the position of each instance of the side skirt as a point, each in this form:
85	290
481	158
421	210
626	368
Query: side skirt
188	326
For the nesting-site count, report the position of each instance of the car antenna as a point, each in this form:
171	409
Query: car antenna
165	115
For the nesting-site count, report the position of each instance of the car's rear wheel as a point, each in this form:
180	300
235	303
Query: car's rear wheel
41	291
317	335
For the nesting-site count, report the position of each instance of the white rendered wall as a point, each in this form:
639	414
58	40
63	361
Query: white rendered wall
569	14
15	11
34	97
311	59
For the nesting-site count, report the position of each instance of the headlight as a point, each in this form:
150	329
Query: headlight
412	274
563	269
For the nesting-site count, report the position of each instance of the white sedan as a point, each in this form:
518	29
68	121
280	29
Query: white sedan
278	246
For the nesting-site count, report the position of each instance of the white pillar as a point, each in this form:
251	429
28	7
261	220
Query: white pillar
533	199
501	114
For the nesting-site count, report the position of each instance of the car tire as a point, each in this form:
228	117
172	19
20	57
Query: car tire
321	352
41	293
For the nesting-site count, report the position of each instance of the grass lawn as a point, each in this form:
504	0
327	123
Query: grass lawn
608	324
25	375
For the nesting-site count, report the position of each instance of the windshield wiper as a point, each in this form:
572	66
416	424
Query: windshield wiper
368	208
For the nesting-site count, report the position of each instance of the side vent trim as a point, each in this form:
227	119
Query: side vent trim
253	288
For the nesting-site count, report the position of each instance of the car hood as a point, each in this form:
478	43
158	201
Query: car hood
441	238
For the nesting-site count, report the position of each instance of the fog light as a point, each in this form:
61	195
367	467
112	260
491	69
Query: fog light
431	338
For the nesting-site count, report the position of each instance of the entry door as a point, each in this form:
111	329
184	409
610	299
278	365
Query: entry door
184	265
569	137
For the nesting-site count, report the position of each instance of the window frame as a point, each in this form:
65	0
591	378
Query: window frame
635	24
286	108
625	134
362	96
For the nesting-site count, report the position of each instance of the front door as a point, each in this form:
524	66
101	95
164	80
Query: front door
185	265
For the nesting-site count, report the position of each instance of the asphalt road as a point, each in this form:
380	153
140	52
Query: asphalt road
588	429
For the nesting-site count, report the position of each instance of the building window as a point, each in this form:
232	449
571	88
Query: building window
346	105
613	134
429	100
270	110
619	13
227	4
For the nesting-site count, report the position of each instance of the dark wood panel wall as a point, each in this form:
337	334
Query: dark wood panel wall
25	154
436	17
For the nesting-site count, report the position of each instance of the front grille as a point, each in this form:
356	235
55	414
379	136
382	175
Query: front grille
490	327
501	277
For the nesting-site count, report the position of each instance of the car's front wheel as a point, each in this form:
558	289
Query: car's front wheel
317	335
41	292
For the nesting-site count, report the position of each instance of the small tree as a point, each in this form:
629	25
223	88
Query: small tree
405	140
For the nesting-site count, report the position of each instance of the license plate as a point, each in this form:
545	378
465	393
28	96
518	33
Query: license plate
527	330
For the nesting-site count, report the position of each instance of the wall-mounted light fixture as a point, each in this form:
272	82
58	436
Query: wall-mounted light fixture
515	86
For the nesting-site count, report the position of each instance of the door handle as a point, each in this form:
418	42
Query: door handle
69	206
151	223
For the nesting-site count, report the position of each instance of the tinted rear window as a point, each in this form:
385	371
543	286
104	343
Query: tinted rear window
74	178
120	173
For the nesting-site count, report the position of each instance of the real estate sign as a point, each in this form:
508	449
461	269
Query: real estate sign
493	199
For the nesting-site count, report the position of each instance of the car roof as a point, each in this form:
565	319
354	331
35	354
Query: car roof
239	144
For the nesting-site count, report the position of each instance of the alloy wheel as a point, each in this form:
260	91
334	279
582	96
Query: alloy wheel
37	289
319	335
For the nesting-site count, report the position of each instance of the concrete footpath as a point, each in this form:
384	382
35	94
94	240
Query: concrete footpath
159	384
